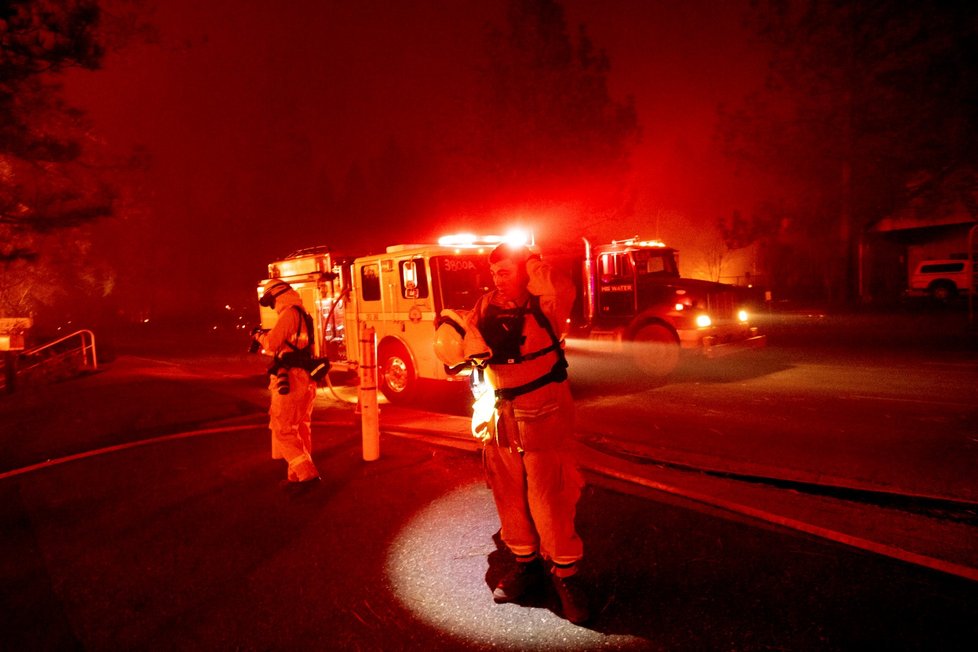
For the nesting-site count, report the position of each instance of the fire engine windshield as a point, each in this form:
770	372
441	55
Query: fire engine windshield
657	262
462	279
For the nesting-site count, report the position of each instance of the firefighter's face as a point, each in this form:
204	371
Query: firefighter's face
510	278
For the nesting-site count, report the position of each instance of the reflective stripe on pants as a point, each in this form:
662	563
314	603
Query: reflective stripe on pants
290	418
536	490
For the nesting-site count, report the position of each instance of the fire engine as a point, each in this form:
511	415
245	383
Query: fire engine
631	298
399	293
634	299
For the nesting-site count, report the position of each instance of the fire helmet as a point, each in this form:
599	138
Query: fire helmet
273	290
449	336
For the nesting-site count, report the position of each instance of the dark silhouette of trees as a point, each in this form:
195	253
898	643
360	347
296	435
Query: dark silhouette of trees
46	185
43	185
56	179
548	128
549	109
860	99
535	125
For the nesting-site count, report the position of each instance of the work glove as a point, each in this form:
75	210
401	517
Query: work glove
474	346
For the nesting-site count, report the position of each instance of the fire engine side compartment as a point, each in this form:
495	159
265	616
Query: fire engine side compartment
400	294
384	303
323	285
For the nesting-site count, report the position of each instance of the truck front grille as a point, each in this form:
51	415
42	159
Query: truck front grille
722	305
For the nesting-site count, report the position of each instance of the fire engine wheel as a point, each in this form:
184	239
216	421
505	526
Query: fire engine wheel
398	378
656	350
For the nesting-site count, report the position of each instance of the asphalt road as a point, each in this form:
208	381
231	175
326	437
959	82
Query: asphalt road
141	511
894	420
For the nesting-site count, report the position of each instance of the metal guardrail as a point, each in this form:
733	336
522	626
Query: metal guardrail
59	356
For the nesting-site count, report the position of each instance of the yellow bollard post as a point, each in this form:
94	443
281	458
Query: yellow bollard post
367	395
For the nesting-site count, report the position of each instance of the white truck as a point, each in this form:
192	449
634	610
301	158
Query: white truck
942	279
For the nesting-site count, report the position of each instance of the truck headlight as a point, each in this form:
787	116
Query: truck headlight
703	321
742	315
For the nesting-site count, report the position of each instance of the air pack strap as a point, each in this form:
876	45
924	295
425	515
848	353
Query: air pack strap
506	348
526	357
557	373
297	357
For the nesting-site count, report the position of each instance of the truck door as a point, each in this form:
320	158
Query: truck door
616	285
404	321
414	313
368	302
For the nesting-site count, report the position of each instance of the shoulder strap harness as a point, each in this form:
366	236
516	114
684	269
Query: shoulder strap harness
557	374
298	354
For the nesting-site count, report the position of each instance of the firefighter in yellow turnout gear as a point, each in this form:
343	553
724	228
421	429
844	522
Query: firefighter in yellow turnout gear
292	389
517	330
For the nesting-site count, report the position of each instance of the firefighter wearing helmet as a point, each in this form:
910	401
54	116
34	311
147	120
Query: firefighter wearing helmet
515	334
291	387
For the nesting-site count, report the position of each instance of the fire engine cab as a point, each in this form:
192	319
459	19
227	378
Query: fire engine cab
399	293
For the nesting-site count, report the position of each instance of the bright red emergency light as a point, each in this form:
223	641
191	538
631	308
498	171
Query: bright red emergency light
514	237
637	242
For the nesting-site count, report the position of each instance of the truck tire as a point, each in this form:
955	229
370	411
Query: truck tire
398	377
942	291
655	350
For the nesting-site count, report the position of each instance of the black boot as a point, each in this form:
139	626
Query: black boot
573	600
524	576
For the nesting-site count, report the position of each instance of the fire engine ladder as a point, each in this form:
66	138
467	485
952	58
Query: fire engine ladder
65	357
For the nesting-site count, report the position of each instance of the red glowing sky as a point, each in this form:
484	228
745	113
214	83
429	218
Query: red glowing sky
246	106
